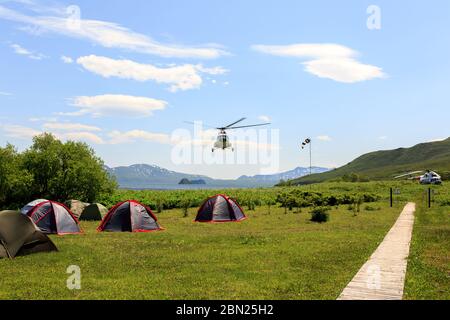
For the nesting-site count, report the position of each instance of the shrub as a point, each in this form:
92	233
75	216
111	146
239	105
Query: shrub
320	214
370	208
185	205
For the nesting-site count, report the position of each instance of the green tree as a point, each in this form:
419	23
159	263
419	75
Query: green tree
15	182
65	171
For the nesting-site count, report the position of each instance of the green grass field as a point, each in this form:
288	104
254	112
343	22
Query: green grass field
428	275
269	256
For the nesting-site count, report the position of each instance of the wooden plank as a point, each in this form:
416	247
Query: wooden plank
382	277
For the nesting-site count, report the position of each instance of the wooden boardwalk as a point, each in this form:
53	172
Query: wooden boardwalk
382	277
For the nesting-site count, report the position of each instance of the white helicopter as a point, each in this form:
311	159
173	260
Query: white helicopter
223	141
430	177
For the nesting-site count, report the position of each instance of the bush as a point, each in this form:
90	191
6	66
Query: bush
320	214
51	169
370	208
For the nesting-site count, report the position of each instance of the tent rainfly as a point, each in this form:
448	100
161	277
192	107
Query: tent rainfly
76	207
129	216
54	217
94	212
19	236
220	208
31	205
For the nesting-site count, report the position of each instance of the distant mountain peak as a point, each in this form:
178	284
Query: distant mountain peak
149	176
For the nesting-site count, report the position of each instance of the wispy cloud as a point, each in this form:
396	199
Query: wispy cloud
39	119
66	59
27	133
81	136
264	118
324	138
182	77
331	61
66	126
18	49
20	132
106	34
113	104
118	137
7	94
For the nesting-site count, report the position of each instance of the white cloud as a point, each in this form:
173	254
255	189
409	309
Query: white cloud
117	137
66	59
20	132
3	93
112	104
264	118
107	34
383	138
81	136
39	119
182	77
324	138
218	70
331	61
66	126
24	52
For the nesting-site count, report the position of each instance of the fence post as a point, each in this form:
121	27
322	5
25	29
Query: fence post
429	197
392	200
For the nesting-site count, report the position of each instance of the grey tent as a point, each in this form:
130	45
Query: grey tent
129	216
31	205
94	212
77	207
54	217
19	236
220	208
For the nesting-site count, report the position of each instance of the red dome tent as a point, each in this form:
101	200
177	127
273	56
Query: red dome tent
220	208
129	216
54	217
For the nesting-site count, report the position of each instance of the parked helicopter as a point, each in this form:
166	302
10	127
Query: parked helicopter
223	141
430	177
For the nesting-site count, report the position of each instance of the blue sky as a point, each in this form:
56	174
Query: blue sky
126	75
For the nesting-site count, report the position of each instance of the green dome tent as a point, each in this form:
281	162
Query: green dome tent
94	212
19	236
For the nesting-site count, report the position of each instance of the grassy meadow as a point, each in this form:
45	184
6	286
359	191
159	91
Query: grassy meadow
278	253
428	275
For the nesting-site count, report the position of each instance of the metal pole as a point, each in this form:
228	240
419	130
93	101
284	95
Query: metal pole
392	200
310	158
429	197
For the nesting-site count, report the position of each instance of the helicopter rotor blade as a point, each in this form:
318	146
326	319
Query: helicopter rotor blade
230	125
252	125
407	174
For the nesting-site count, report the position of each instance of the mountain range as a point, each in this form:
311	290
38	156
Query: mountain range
145	176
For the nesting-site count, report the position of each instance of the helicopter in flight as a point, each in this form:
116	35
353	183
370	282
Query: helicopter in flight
223	141
430	177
